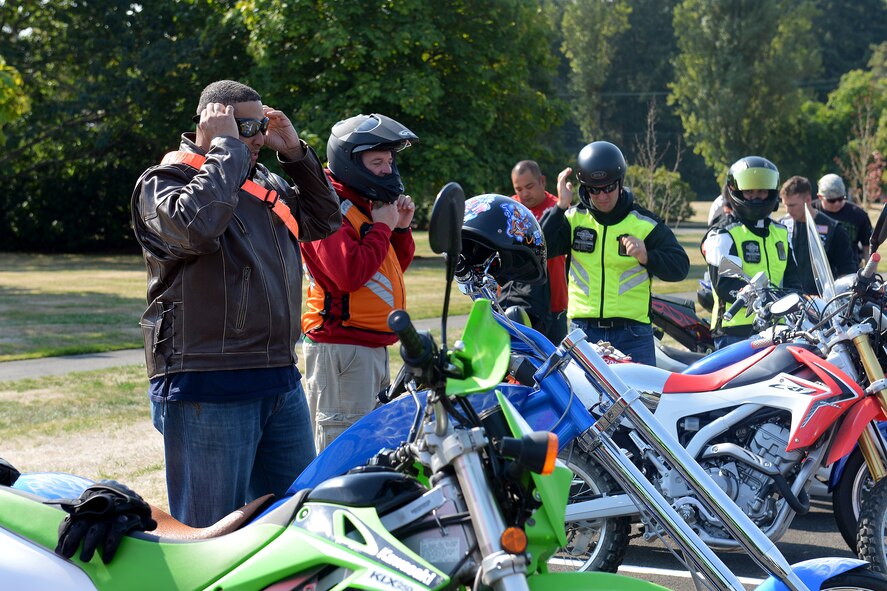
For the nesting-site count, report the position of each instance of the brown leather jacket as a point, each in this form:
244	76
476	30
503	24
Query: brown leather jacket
224	272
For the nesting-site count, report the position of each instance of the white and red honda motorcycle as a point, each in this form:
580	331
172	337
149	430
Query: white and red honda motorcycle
763	428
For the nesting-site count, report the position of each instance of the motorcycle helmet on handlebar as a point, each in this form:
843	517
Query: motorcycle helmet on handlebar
599	165
358	134
750	173
501	232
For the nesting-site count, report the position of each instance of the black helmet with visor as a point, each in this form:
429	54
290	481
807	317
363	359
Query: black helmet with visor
361	133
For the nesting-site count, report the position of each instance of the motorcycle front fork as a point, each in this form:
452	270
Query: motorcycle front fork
597	442
870	442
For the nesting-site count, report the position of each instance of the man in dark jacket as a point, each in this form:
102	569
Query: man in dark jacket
546	302
796	195
219	234
615	249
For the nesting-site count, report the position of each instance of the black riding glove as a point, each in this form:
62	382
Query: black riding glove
8	474
103	514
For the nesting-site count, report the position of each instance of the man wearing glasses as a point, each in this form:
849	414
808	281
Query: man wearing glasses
219	235
832	200
615	248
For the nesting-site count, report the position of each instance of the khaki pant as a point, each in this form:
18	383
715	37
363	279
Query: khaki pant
341	383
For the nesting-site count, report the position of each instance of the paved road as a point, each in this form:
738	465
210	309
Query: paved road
814	535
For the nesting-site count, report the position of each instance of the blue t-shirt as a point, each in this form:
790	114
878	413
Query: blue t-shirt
224	385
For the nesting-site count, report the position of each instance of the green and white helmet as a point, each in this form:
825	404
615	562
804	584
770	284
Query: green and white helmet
752	172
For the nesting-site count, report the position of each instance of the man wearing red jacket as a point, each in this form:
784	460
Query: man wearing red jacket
546	303
356	275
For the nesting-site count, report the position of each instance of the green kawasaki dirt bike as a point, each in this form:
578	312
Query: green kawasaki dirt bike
463	502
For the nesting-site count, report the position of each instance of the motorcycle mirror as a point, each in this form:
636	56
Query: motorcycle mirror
879	233
822	272
445	224
445	236
731	269
786	305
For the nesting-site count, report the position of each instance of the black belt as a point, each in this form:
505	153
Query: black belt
608	322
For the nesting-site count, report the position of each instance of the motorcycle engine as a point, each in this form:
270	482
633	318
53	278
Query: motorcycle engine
734	470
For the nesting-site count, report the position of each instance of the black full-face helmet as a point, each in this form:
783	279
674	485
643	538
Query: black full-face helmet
599	164
351	137
498	225
752	172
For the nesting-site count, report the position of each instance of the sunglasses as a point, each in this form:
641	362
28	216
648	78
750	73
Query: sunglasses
836	199
597	190
246	127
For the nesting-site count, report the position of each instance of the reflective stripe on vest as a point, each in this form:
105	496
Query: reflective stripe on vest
603	283
769	255
267	196
368	307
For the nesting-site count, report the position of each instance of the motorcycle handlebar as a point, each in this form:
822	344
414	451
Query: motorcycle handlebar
736	306
871	266
415	349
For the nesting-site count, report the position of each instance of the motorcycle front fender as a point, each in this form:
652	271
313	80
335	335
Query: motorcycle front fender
564	581
837	471
814	572
855	422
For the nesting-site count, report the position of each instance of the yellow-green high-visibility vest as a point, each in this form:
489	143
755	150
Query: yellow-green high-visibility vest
604	281
769	255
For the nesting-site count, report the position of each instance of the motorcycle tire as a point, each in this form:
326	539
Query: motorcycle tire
860	579
848	494
600	544
871	544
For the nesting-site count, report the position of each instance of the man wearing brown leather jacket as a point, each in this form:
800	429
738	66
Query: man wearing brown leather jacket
219	235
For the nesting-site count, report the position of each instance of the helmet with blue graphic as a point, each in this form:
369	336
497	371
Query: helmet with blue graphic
350	138
502	237
747	176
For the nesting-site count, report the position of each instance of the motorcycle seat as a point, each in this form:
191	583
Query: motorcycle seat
171	528
709	382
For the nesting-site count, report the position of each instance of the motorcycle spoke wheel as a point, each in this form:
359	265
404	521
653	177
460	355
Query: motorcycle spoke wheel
597	544
855	484
872	540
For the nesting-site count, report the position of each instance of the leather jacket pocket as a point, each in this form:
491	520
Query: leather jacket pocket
244	298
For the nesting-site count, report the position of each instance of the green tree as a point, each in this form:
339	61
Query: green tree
590	29
111	84
658	189
736	76
847	34
859	105
471	79
13	101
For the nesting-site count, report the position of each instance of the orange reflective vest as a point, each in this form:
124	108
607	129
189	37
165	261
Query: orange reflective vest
267	196
368	307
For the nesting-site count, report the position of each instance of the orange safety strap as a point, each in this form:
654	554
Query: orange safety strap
267	196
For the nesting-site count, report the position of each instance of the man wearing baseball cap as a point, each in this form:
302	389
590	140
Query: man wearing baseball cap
832	200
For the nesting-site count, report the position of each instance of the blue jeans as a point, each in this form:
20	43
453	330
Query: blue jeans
635	339
220	456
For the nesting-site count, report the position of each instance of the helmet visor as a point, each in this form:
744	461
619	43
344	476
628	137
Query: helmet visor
756	178
384	147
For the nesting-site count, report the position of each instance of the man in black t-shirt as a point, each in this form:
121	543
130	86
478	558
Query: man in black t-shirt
795	195
832	200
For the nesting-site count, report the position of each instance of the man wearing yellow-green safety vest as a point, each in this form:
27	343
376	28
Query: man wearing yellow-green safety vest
615	247
751	238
